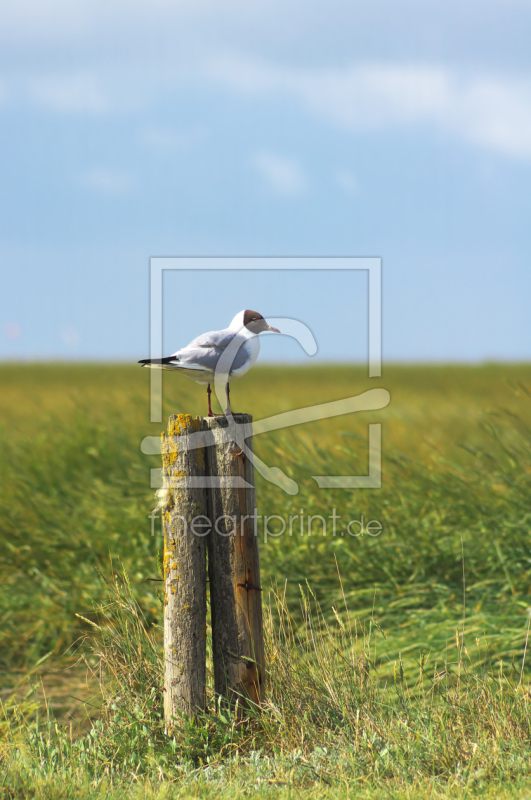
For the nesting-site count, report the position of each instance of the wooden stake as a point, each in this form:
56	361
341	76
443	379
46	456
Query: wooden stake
184	571
234	570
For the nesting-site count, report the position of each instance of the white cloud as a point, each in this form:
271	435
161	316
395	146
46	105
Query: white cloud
12	330
368	96
129	56
106	181
166	141
492	113
497	114
290	25
281	174
35	21
70	336
57	21
77	93
347	181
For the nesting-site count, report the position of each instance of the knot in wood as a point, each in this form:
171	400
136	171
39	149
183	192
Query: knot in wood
248	586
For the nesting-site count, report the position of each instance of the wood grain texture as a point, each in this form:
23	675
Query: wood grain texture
184	571
234	569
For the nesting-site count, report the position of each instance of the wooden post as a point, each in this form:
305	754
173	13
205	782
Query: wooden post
184	571
234	570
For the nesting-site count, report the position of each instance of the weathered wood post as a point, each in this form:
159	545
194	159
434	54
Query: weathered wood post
184	570
210	501
233	566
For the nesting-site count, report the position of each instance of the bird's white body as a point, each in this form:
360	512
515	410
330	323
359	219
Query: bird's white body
225	355
198	360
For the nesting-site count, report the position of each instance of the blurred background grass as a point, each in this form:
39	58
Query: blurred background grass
456	501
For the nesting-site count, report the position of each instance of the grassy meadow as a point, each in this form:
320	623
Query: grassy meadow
396	663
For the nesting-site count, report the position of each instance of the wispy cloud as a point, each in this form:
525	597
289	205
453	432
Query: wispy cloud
347	181
12	330
165	141
80	93
70	336
283	175
489	112
106	181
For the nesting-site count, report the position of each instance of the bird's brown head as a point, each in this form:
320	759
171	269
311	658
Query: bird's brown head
255	322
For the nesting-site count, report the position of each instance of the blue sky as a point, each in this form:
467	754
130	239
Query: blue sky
396	129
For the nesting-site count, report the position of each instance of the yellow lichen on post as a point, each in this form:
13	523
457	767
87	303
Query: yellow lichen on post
186	422
184	572
169	449
169	458
235	590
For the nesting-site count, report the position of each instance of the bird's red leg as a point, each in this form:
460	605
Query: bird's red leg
209	392
228	411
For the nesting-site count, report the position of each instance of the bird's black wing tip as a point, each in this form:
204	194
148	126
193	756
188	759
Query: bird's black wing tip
147	361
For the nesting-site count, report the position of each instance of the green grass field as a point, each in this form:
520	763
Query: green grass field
396	662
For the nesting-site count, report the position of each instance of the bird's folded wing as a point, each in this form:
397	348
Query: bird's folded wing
207	358
171	363
216	339
191	365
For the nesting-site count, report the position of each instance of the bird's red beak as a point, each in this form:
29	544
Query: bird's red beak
274	330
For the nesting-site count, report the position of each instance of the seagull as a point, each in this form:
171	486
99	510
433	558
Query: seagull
199	359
